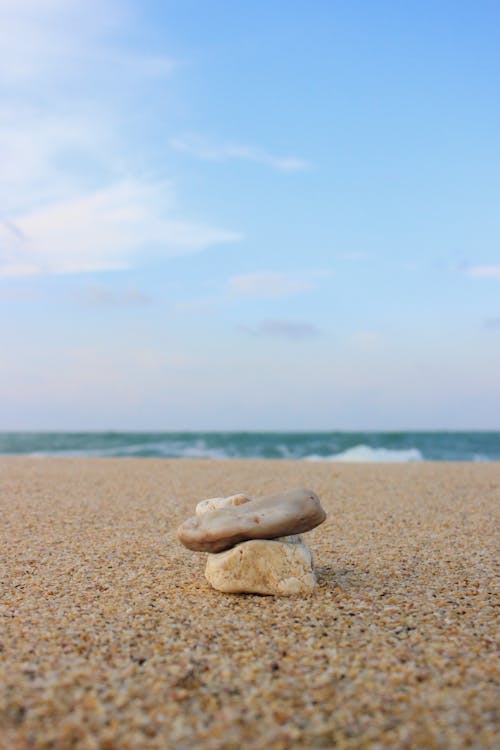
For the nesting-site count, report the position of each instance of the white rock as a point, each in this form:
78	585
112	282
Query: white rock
262	566
214	503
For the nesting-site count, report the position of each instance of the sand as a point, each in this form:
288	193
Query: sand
111	639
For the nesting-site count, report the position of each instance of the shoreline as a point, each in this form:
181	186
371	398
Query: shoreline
251	459
111	637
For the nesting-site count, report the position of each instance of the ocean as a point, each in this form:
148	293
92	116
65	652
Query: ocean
304	446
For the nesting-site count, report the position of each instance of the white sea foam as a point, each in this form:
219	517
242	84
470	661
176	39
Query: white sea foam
201	452
366	454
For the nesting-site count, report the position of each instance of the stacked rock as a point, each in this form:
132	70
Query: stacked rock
255	546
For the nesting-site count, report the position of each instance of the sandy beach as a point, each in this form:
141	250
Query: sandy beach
110	637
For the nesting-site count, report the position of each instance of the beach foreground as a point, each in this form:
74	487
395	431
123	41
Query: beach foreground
110	637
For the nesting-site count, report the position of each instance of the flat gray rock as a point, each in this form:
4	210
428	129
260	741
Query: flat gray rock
291	512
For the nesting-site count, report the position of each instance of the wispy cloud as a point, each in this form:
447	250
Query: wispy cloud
203	148
483	272
268	284
293	330
53	40
35	146
72	198
492	323
144	66
109	229
97	295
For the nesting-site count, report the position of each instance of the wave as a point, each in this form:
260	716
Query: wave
199	449
351	447
161	449
366	454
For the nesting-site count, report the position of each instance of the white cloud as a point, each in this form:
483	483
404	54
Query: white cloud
71	199
33	147
484	272
98	295
36	36
61	39
202	148
268	284
106	230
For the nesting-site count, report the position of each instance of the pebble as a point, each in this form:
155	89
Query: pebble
291	512
261	566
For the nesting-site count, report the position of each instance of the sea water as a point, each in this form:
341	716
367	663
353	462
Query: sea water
307	446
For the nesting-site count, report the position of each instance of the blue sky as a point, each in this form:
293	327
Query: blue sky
234	215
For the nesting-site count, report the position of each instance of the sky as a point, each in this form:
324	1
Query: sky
276	215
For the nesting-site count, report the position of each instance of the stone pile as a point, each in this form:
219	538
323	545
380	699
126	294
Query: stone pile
255	546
